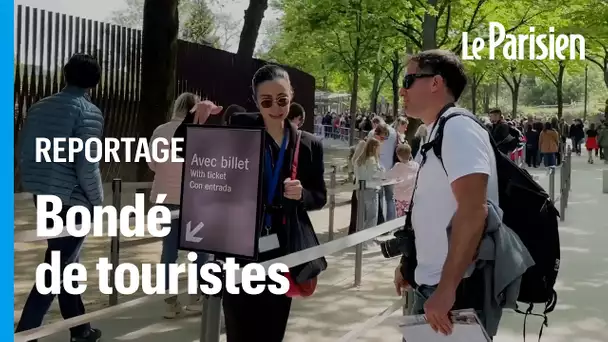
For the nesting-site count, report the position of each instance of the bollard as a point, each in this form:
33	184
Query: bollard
605	180
360	223
115	240
569	156
211	315
332	202
563	189
211	319
552	184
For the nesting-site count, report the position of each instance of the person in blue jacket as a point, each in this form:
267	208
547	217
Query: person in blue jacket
67	114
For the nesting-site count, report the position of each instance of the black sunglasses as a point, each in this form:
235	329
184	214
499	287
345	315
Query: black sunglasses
408	80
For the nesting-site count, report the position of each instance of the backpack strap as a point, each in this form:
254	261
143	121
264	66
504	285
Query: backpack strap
437	141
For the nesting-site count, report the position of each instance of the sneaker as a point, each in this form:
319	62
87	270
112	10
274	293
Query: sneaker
196	303
93	335
172	309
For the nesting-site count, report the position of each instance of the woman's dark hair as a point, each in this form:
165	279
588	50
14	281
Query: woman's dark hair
268	72
231	110
82	71
296	111
548	126
446	64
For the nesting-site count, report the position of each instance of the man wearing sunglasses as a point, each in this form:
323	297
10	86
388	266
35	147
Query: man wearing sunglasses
454	193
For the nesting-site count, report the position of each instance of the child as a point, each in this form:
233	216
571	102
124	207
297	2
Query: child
367	168
591	142
405	171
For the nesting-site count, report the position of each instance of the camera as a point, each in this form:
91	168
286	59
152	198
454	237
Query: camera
401	244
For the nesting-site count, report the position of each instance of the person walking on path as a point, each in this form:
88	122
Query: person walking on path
67	114
168	181
591	142
548	143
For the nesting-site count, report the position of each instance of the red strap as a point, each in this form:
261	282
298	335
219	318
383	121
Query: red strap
296	154
294	165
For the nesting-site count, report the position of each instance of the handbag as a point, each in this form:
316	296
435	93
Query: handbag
302	278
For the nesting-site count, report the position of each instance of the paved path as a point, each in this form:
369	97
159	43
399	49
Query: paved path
337	307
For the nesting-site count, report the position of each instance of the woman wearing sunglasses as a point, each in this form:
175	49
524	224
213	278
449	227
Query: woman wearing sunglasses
293	184
287	198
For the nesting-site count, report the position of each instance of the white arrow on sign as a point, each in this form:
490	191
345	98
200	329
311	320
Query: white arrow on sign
191	232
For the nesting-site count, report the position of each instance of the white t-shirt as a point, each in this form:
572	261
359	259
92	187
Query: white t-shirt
466	150
387	149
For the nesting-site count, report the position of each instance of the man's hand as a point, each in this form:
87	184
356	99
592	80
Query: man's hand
400	283
437	310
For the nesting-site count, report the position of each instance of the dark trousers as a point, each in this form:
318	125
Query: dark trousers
352	227
260	317
38	304
532	156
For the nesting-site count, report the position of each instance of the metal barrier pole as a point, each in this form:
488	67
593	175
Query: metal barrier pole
563	188
569	155
332	202
552	184
211	319
211	315
360	225
605	181
115	240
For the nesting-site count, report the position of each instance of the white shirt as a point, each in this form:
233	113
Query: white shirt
387	149
466	150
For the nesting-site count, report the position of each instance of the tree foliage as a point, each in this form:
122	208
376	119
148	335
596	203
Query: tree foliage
197	23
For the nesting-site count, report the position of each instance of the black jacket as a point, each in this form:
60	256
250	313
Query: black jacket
310	173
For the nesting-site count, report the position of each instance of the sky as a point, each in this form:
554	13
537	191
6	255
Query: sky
102	11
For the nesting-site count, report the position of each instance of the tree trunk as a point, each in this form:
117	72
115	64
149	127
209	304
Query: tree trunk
496	92
515	99
486	99
429	42
474	87
353	104
375	92
397	67
355	86
560	89
159	55
251	27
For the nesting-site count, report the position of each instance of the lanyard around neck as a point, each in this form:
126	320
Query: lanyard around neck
272	176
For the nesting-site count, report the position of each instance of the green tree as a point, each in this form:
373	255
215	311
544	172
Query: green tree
347	31
590	19
199	26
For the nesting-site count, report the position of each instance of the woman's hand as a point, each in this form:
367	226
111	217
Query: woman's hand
203	110
292	189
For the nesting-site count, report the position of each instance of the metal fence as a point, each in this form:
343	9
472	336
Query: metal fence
45	40
211	315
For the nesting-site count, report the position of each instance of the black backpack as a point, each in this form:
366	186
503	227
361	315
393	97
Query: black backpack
529	212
